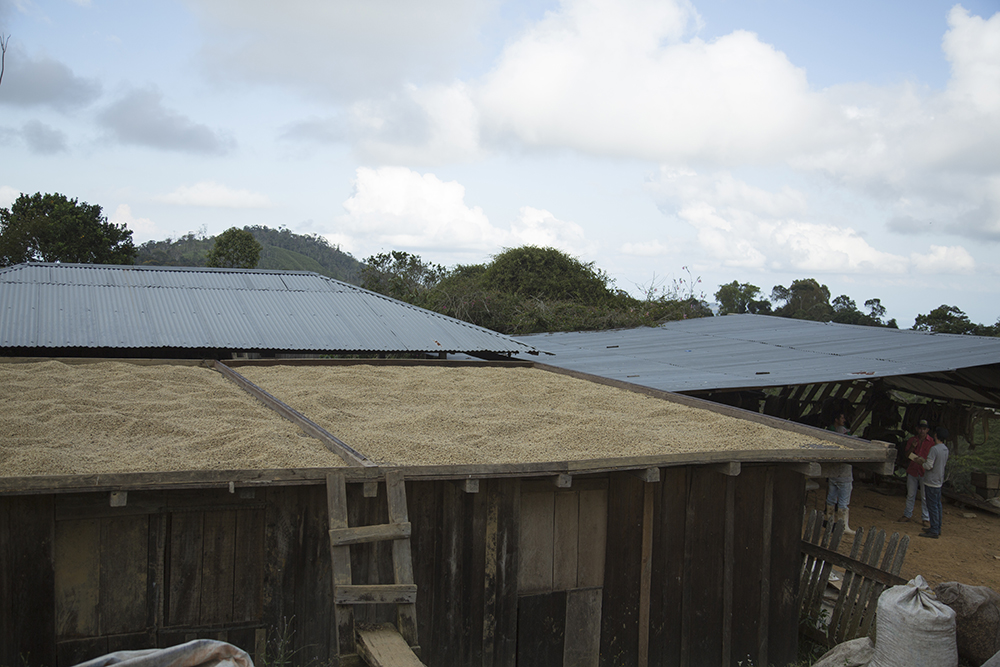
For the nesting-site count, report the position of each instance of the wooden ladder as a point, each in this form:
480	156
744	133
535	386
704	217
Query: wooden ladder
383	645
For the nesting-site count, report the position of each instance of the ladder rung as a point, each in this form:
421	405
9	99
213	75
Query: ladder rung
376	594
377	533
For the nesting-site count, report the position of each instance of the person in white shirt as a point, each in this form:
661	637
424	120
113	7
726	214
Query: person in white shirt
934	466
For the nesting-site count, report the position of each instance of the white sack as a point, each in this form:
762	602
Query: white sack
913	628
197	653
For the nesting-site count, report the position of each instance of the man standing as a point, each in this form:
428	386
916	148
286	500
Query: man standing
934	464
919	446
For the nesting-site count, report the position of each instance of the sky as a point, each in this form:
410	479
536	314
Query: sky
671	143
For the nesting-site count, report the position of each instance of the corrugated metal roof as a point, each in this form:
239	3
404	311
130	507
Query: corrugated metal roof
96	306
756	351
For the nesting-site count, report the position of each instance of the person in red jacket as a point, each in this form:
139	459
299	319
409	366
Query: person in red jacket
919	445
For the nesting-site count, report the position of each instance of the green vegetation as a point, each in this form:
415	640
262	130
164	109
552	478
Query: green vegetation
54	228
527	290
234	249
281	250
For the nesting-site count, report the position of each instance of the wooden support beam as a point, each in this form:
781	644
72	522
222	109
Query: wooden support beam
383	646
468	485
370	490
729	468
646	573
375	594
563	481
812	469
362	534
341	449
648	475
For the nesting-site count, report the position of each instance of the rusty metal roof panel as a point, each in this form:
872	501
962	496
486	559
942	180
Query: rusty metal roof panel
756	351
98	306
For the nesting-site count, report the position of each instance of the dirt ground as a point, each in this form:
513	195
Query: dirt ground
968	550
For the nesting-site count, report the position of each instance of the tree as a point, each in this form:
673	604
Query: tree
400	275
234	249
53	228
951	319
741	298
804	299
547	273
4	41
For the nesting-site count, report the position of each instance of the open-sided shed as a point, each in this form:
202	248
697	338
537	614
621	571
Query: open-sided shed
531	516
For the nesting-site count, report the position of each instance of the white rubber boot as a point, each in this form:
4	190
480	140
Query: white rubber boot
843	515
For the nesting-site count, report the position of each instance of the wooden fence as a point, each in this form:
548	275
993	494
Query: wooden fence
867	572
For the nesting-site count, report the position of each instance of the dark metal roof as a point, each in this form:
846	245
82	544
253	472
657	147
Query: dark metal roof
757	351
97	306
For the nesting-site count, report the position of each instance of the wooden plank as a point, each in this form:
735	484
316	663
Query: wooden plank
424	498
31	580
451	610
865	570
469	485
361	534
314	609
705	535
77	578
186	553
620	605
156	570
842	606
218	567
747	569
249	566
565	540
371	562
490	558
536	542
336	499
541	630
728	569
667	575
788	498
371	489
124	556
767	525
509	521
382	646
645	574
583	628
402	558
592	545
475	577
864	595
335	445
868	616
376	594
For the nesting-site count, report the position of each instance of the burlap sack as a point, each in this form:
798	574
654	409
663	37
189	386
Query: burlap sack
977	619
913	628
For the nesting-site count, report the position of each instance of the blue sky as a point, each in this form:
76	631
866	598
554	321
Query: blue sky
761	141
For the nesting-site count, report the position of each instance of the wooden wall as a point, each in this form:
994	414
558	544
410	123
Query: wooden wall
697	569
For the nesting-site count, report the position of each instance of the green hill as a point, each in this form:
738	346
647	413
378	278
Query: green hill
281	250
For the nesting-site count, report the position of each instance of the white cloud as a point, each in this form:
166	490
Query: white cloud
942	259
211	194
430	125
8	196
397	208
746	227
143	228
615	77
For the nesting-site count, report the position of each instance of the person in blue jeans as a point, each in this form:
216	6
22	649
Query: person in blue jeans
934	466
